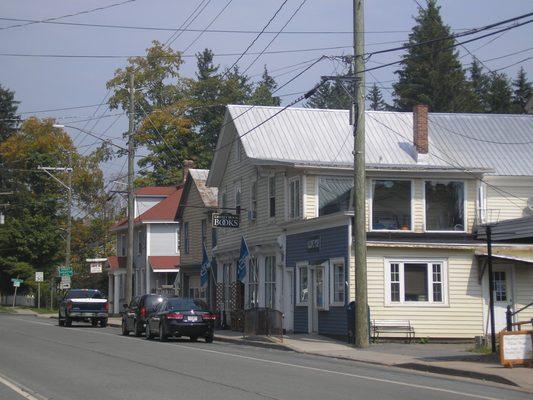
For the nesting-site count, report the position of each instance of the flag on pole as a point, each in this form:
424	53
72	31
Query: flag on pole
204	270
241	267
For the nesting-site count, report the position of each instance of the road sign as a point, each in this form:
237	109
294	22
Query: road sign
96	268
16	282
39	276
225	220
65	282
63	286
63	271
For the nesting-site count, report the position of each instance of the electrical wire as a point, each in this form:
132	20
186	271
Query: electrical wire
189	20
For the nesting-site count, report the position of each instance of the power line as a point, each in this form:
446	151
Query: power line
189	20
58	109
49	20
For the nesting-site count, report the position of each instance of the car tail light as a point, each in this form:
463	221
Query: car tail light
143	312
209	317
69	306
174	316
106	306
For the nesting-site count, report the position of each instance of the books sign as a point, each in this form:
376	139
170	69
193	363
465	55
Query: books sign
225	220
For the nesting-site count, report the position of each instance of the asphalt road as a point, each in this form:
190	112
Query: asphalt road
49	362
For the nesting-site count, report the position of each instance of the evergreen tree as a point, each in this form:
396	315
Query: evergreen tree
8	113
262	94
376	99
522	91
331	95
479	84
499	93
431	73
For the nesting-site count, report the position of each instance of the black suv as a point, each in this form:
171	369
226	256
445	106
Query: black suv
136	313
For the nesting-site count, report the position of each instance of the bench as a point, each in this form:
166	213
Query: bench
392	326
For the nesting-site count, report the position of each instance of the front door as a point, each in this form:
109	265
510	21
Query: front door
288	300
502	295
316	296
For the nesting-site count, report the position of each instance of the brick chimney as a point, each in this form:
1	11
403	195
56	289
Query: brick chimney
420	128
187	165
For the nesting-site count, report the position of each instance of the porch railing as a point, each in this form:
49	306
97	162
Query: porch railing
509	314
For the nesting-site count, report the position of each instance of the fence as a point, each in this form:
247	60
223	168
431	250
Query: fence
263	321
22	300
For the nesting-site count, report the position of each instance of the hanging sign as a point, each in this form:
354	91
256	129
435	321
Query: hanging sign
225	220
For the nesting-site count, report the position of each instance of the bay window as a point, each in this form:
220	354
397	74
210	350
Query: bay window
391	205
445	206
416	282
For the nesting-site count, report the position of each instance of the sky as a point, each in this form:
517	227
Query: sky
44	83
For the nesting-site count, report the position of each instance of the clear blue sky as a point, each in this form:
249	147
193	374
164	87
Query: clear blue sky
48	83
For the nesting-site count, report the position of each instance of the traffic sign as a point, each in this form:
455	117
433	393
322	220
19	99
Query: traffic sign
39	276
16	282
63	286
63	271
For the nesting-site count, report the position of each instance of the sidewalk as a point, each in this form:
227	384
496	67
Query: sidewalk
446	359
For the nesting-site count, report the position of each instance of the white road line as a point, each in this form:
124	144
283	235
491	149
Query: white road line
265	361
16	387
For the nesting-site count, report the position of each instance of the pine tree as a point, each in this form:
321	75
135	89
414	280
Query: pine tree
331	95
376	99
263	93
499	98
523	91
431	73
478	82
8	113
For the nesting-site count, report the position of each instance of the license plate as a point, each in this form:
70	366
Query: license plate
192	319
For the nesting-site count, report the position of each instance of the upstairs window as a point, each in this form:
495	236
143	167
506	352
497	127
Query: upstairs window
177	240
294	198
204	231
272	196
224	201
445	206
391	205
334	194
139	243
186	238
253	202
238	200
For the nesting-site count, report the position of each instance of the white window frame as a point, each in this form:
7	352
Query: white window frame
465	203
332	262
253	285
252	213
371	205
325	285
271	283
177	240
300	266
290	199
428	261
271	195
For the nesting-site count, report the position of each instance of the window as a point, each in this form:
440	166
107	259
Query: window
270	282
272	196
334	194
294	198
213	237
224	201
338	282
320	286
177	240
195	290
238	200
303	284
500	286
253	283
253	201
204	231
415	282
444	206
391	205
237	149
139	243
186	238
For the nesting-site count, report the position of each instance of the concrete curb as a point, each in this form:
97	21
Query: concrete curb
423	367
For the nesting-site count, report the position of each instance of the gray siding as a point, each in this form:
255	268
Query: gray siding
333	322
300	320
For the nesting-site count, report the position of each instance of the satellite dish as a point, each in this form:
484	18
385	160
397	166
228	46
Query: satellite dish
530	204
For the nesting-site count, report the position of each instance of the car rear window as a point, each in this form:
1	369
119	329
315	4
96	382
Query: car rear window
186	304
84	294
152	301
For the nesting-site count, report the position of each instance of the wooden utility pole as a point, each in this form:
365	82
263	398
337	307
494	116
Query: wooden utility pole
359	228
131	206
488	230
69	211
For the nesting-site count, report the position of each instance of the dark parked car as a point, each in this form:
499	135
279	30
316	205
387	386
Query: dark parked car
178	316
135	314
86	305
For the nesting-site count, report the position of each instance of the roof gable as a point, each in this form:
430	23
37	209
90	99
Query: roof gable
208	195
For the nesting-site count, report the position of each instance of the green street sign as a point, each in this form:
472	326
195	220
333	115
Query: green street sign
65	271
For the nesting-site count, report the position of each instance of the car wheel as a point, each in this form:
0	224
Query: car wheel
94	322
162	333
68	322
147	333
138	329
103	322
194	338
209	339
125	331
60	320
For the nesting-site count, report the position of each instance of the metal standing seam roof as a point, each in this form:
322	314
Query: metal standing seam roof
318	137
209	195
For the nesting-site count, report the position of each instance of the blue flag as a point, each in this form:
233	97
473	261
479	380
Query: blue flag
241	267
204	270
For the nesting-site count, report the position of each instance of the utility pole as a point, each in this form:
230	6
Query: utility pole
131	155
488	230
69	210
359	228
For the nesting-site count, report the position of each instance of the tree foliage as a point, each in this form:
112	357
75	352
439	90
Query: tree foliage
523	90
8	113
431	73
331	95
376	99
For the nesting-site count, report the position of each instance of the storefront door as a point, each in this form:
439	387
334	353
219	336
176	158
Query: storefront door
316	295
503	286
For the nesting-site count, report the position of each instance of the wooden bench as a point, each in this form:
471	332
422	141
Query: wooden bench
392	326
